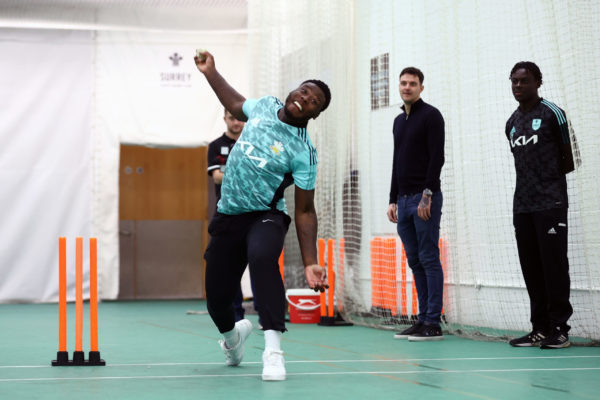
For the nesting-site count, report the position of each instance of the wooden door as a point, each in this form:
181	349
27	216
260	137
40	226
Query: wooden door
163	216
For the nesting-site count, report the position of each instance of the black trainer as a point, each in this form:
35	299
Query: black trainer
556	340
532	339
426	333
408	331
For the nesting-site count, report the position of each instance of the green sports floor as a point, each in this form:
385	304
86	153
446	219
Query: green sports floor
155	350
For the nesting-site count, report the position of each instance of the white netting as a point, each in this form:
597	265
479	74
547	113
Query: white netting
466	50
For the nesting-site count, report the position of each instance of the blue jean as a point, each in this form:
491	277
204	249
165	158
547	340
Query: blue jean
420	239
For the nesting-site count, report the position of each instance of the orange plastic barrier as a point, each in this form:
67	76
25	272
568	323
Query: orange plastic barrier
384	290
383	276
376	261
389	276
341	272
403	293
414	298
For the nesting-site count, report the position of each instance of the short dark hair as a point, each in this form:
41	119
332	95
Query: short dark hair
528	66
413	71
323	86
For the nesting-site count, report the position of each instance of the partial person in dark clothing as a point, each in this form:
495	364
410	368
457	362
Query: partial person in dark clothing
218	151
416	200
539	138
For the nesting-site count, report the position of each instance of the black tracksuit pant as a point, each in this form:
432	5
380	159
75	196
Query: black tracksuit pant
254	239
542	244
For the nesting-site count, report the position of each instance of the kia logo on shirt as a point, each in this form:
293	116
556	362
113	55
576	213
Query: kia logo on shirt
523	141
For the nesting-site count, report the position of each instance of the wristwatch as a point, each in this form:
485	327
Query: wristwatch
428	192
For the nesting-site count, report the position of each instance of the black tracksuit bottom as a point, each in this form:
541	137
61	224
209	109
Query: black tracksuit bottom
254	239
542	245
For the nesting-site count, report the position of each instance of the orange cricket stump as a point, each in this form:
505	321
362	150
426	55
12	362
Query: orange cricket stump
323	300
94	354
327	295
322	297
330	277
62	358
281	268
78	357
330	318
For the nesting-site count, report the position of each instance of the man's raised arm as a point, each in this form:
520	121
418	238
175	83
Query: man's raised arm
228	96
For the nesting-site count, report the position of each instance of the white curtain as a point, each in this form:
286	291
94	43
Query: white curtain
69	99
45	158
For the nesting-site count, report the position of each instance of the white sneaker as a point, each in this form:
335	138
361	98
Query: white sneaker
234	355
273	365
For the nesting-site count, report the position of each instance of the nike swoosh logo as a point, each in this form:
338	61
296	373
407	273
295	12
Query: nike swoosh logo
267	220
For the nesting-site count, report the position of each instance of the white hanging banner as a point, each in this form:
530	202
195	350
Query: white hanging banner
150	91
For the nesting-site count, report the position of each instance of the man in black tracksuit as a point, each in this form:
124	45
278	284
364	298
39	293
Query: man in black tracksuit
538	134
218	151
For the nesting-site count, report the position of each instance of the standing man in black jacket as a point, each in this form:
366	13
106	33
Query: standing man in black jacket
416	200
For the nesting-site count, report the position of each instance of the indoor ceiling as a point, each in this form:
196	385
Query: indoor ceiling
178	15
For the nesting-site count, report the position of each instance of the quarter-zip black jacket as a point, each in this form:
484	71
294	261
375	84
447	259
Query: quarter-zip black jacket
418	150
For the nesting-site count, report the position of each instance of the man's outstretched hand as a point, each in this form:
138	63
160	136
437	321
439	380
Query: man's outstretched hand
315	276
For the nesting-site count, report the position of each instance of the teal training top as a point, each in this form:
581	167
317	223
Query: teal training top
269	156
